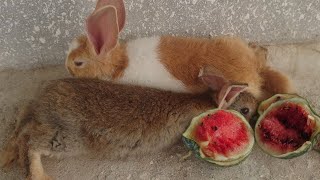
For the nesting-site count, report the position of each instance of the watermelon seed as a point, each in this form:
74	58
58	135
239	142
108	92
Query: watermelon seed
304	135
214	143
284	141
214	128
290	141
278	98
285	122
266	134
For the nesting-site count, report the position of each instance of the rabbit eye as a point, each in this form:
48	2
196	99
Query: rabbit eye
78	63
244	111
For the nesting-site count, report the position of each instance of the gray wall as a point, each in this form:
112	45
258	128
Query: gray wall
37	32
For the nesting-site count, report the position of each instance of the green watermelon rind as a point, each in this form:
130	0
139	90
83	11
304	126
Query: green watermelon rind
271	100
308	145
316	144
193	146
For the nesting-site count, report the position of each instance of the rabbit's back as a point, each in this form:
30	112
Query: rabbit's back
115	119
230	57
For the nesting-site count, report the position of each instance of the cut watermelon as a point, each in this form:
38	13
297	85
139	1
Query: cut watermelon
222	137
288	127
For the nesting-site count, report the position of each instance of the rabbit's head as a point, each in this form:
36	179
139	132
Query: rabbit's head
90	56
230	95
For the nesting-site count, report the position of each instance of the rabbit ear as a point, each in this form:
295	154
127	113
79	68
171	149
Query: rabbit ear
213	78
227	95
226	91
103	30
103	25
119	5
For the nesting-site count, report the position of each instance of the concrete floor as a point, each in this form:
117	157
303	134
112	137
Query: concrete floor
35	32
300	62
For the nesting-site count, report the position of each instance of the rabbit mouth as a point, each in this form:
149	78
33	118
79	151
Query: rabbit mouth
70	71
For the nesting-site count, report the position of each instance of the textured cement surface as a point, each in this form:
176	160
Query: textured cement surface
36	32
300	62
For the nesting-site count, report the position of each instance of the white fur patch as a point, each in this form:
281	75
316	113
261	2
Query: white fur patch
73	45
145	68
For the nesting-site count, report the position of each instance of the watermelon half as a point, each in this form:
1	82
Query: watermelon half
287	127
222	137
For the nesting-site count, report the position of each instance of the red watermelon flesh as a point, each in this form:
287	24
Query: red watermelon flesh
286	128
224	133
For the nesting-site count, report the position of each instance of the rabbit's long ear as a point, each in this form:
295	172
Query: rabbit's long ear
227	95
119	5
226	92
103	25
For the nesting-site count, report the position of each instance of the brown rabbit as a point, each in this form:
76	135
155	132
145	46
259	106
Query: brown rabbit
167	62
94	117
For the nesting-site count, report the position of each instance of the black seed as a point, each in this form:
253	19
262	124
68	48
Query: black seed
284	141
287	141
201	124
214	128
267	135
278	98
284	121
304	135
290	141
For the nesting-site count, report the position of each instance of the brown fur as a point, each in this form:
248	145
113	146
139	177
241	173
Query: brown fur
110	67
245	100
260	52
275	82
184	57
85	116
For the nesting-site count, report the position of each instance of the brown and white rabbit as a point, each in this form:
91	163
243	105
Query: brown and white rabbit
94	117
169	63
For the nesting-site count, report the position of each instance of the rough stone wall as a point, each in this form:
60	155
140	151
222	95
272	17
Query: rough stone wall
37	32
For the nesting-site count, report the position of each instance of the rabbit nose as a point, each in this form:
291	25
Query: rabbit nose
70	71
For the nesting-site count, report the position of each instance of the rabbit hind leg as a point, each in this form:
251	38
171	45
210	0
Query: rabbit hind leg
36	171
